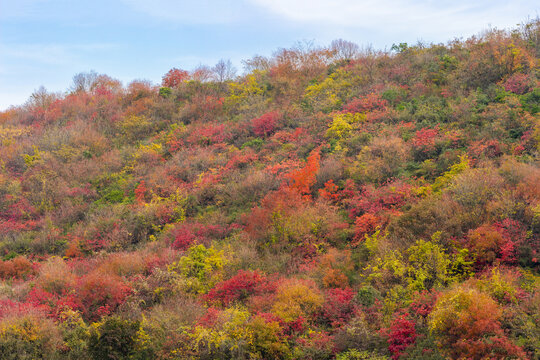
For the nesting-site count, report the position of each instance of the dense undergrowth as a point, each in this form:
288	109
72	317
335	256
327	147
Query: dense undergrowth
330	203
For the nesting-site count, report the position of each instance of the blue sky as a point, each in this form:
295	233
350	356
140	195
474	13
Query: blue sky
46	42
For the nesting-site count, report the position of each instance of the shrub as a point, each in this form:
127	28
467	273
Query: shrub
466	323
100	294
266	124
241	286
295	299
401	334
113	338
199	268
28	337
338	307
18	267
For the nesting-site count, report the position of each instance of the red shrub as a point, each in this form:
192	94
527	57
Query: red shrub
338	307
366	103
240	287
99	294
183	237
424	140
210	318
401	335
50	303
488	149
365	225
140	192
388	197
9	308
266	124
189	233
19	267
518	83
423	303
497	242
208	134
330	191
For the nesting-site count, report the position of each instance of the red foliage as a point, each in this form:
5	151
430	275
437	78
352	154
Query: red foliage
518	83
183	238
174	77
140	192
401	334
241	286
497	242
19	267
424	140
320	343
489	149
17	215
9	308
241	160
208	134
266	124
330	191
473	331
210	318
423	303
366	103
189	233
365	224
338	306
51	303
386	198
99	294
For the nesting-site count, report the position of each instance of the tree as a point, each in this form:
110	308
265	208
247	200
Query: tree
344	50
224	70
84	81
174	77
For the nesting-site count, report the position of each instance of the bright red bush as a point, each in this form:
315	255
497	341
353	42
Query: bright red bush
401	334
424	140
338	306
365	224
100	294
265	124
366	103
241	286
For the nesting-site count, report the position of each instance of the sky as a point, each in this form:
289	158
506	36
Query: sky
47	42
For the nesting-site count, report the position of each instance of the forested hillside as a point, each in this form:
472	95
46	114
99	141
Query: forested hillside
330	203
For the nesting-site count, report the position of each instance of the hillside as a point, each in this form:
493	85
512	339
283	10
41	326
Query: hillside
331	202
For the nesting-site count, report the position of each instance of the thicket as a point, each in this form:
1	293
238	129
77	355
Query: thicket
330	203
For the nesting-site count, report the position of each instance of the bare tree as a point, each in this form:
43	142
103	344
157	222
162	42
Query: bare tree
89	81
224	70
202	73
344	50
258	62
41	98
84	81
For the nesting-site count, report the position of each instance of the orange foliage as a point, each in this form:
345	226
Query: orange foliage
303	179
19	267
